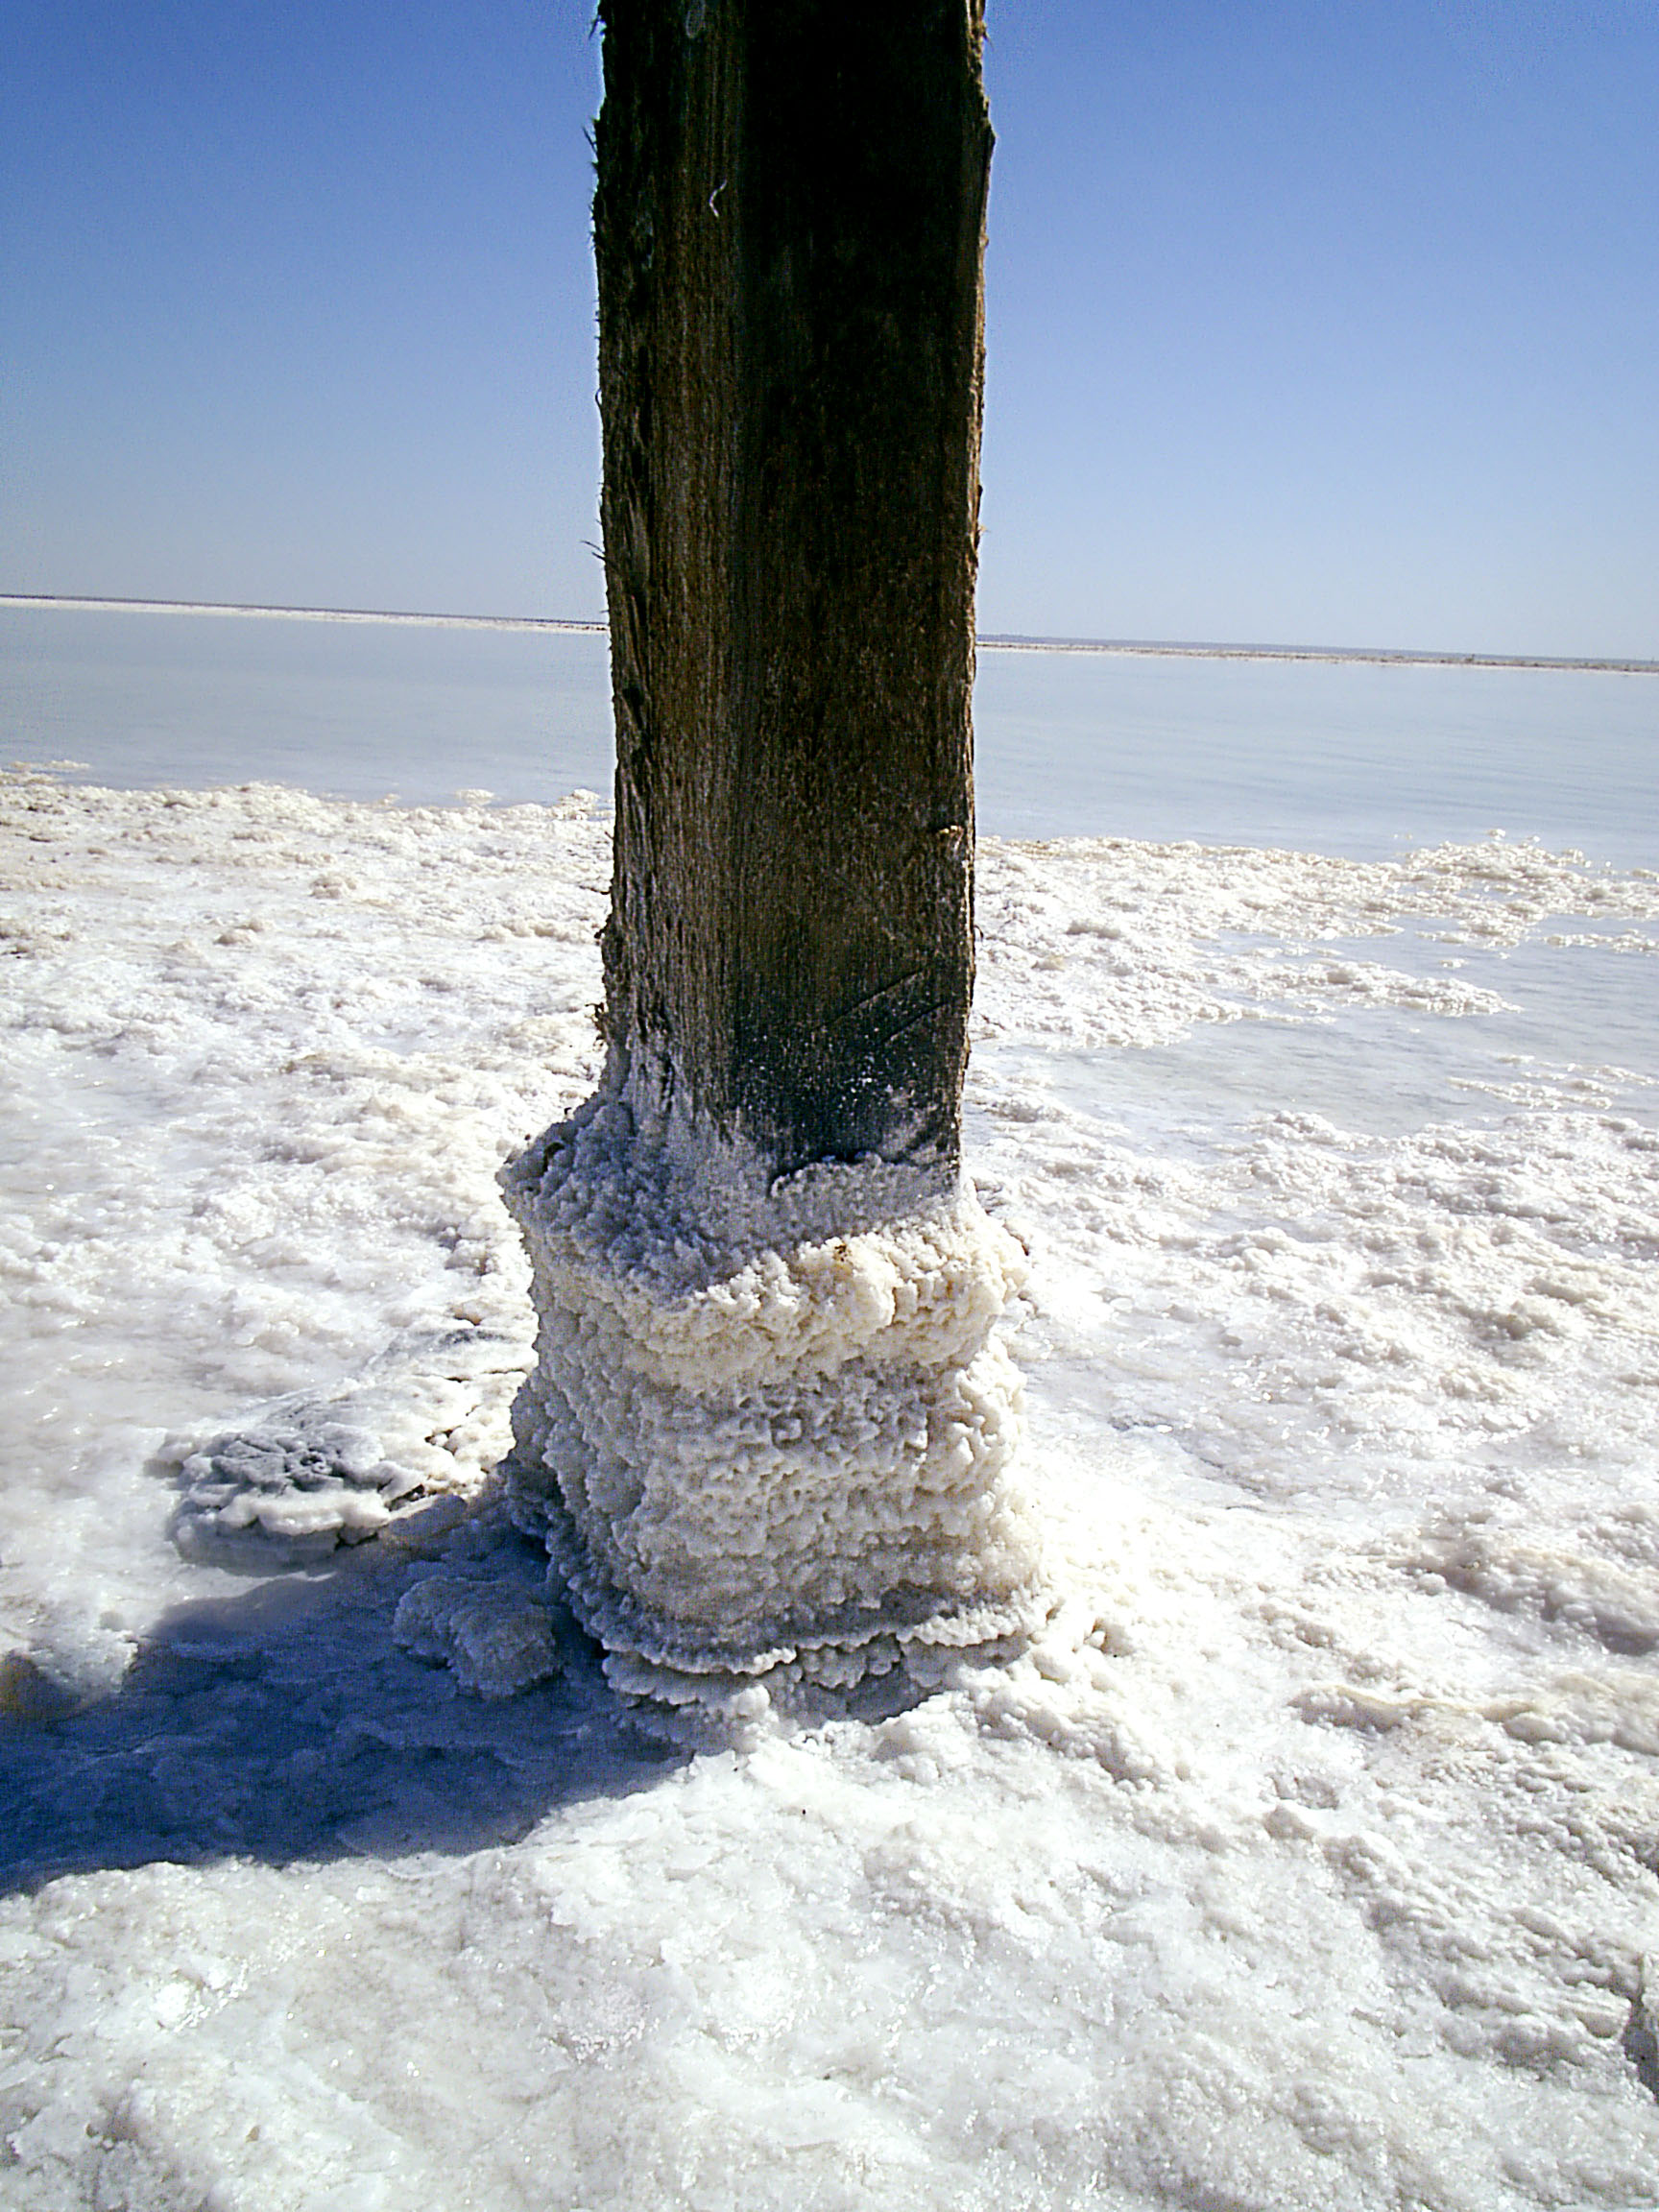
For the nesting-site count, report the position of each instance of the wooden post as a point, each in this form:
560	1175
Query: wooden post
789	228
770	1435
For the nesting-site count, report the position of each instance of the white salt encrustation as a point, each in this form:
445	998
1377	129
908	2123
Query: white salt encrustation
772	1434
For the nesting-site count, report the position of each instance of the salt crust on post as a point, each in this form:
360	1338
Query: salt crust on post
771	1435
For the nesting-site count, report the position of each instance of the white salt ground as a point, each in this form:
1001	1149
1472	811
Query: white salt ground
1308	1859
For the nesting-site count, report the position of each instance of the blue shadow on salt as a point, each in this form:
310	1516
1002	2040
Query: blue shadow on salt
287	1724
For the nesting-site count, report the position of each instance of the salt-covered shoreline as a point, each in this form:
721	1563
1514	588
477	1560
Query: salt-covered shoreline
1307	1859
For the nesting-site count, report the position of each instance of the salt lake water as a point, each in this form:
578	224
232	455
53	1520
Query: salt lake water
1306	1860
1351	757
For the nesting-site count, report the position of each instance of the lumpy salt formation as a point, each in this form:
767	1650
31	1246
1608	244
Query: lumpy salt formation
771	1436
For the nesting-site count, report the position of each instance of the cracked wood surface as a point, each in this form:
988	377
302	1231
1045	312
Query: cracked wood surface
789	226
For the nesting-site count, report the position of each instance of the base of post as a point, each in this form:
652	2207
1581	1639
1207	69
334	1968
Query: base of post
771	1435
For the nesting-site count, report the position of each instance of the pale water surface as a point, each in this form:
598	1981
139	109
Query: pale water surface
1352	758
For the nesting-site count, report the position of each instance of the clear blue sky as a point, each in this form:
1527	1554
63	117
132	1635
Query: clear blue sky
1329	322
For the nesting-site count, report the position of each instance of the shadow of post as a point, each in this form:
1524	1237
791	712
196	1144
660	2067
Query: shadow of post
283	1723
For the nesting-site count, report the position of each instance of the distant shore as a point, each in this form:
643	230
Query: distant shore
991	643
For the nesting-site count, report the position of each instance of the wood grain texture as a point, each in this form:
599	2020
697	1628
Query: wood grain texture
789	228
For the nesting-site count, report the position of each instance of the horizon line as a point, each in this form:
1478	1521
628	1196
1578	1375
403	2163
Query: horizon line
992	641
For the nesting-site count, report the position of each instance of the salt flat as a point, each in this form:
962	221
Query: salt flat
1309	1859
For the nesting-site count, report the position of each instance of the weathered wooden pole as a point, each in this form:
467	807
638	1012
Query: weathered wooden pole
770	1429
789	229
